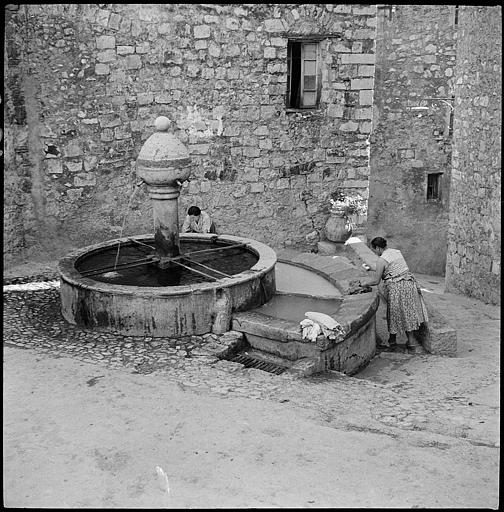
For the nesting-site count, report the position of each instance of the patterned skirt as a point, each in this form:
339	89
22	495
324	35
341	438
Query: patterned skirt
406	308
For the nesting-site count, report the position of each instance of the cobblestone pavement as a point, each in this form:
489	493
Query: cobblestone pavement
455	397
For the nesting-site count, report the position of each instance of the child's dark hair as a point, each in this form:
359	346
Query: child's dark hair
378	242
193	210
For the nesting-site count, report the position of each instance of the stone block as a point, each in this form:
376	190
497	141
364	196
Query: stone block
114	21
54	167
143	47
366	98
274	25
364	33
202	31
74	166
72	150
125	50
366	70
133	62
256	188
145	98
350	126
103	42
361	83
360	10
269	52
363	113
102	69
327	248
336	111
358	58
106	56
102	17
365	127
162	98
211	19
232	24
164	28
438	337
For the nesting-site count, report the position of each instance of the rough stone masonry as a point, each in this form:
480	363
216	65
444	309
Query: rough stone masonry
86	81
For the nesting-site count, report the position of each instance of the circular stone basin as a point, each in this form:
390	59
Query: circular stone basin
204	264
157	310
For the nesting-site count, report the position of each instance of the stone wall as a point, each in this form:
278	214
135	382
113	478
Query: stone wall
474	239
415	59
84	83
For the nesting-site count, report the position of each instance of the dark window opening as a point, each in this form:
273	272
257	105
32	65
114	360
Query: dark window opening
303	82
455	21
434	185
450	122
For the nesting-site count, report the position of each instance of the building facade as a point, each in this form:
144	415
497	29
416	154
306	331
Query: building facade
474	234
274	102
412	137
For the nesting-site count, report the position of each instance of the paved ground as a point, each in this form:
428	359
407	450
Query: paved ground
88	417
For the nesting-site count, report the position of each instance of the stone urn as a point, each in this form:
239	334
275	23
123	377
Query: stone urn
337	228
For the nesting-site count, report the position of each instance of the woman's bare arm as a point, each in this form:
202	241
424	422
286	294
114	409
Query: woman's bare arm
377	274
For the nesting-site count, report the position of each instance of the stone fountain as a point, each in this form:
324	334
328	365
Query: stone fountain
161	285
169	306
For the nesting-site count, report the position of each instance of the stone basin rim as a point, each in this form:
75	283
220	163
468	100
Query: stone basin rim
367	302
69	273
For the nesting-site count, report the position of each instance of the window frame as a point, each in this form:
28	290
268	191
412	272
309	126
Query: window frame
437	188
316	90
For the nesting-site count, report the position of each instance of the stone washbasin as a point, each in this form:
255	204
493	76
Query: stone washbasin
167	311
273	328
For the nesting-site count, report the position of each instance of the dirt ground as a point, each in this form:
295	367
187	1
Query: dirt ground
79	434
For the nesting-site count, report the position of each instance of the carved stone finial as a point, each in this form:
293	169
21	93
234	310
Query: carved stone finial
162	123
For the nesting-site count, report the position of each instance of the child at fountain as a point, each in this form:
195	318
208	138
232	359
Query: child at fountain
197	221
406	308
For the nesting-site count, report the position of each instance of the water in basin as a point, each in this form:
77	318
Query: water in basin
231	261
294	279
294	307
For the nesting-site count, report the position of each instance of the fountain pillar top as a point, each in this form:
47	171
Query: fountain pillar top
163	160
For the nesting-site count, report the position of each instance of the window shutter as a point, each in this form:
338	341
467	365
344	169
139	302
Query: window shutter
289	75
309	74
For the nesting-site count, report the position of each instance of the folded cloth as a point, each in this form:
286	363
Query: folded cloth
330	327
310	329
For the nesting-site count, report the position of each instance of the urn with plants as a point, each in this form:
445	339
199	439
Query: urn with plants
344	210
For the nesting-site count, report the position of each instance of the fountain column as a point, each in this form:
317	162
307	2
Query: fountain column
163	164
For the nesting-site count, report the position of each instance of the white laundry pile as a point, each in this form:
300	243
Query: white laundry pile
316	323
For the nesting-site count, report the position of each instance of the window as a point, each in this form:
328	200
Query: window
434	185
303	81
